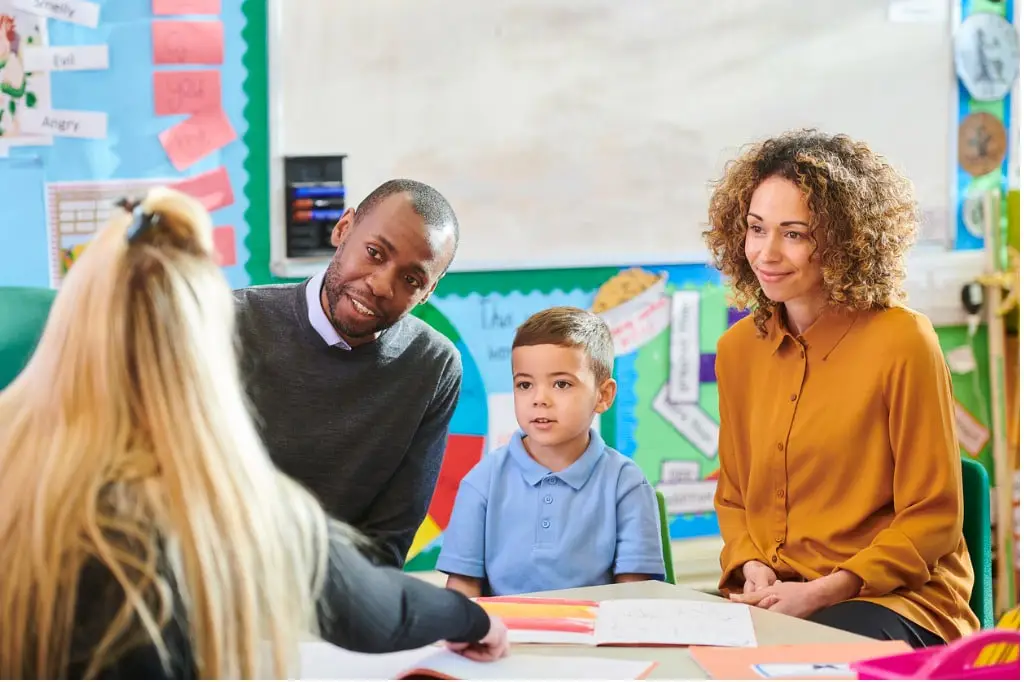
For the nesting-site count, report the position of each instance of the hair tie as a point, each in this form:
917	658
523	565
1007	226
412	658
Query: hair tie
141	221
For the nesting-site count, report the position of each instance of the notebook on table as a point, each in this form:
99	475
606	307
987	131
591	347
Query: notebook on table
792	662
624	622
323	661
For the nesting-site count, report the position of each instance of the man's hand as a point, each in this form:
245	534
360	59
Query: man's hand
492	647
757	576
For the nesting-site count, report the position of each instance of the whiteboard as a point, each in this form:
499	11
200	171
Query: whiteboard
586	132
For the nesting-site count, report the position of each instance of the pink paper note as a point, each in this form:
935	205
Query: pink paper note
212	189
224	245
195	137
165	7
186	92
188	42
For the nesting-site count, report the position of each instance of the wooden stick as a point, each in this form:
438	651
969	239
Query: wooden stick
1004	592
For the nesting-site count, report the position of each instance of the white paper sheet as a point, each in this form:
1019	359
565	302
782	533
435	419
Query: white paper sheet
674	622
324	661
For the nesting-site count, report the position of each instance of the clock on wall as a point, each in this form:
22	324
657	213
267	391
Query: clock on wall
987	54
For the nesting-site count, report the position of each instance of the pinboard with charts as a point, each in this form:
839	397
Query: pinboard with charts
102	99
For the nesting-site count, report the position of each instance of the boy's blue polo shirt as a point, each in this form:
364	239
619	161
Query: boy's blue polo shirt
524	528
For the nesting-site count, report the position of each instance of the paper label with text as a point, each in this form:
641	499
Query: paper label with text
689	497
197	137
63	123
188	42
680	471
67	58
79	12
684	348
186	92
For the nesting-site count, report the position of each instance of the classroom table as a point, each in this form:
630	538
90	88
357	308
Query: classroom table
675	662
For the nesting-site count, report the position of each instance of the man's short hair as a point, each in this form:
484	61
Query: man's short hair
426	201
571	328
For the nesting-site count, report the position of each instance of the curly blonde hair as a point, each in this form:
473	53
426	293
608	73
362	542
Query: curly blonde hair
863	218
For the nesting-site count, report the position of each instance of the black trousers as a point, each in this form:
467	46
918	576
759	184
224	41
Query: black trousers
875	621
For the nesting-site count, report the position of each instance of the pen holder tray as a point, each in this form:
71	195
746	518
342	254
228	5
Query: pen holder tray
952	662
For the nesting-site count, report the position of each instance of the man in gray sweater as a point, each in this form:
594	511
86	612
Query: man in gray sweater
353	396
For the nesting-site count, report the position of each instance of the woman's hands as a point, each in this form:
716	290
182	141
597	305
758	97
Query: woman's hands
493	646
801	599
757	576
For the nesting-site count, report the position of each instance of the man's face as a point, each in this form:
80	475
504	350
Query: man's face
384	265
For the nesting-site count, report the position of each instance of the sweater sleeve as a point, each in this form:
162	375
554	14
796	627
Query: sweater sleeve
379	609
398	511
927	495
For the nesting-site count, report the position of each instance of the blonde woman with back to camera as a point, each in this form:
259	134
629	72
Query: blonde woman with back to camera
144	532
839	497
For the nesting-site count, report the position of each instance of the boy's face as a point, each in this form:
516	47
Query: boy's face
556	393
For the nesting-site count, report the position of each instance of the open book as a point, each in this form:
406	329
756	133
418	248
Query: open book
323	661
624	622
792	662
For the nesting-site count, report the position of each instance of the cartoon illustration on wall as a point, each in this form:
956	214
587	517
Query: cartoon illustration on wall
20	89
665	322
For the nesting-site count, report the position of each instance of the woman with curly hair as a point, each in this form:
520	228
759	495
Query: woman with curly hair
839	496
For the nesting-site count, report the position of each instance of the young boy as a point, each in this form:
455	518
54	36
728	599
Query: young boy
556	507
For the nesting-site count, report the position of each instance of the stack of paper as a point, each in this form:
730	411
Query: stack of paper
624	622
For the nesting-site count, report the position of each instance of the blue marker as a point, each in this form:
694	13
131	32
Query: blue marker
319	191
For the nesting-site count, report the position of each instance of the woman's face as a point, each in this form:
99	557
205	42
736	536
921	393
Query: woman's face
778	243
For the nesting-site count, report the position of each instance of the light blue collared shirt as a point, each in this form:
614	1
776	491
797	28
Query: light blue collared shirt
524	528
317	316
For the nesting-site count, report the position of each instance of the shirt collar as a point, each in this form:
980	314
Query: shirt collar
575	475
317	316
821	338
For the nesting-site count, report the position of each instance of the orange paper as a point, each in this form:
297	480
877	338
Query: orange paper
212	189
185	92
791	662
224	245
196	137
188	42
164	7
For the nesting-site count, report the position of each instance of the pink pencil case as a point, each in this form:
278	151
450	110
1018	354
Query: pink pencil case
952	662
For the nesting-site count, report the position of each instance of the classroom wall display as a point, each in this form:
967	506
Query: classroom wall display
986	55
665	322
104	99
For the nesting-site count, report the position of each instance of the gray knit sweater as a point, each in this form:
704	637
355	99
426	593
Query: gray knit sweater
363	429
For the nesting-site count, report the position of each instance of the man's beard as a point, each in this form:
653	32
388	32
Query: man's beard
335	291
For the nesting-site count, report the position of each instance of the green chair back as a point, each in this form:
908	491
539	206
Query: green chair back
23	313
978	537
666	541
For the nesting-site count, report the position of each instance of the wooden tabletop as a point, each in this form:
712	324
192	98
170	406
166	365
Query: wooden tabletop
675	662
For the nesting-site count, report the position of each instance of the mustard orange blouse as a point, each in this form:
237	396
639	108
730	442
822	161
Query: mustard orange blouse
838	450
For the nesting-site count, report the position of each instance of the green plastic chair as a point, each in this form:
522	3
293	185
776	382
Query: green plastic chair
666	541
978	537
23	313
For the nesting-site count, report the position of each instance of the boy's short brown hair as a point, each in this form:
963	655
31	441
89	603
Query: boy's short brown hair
573	328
